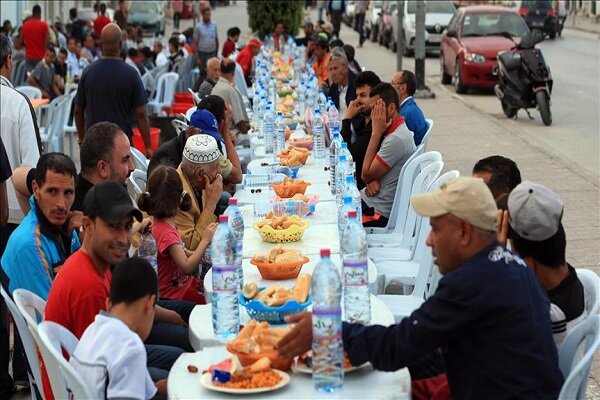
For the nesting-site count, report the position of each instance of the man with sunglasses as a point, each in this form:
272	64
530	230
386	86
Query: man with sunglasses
405	83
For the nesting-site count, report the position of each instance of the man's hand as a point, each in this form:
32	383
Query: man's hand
213	190
354	108
502	226
379	119
228	113
74	220
372	188
299	340
171	317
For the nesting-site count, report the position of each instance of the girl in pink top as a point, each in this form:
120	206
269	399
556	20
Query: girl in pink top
177	266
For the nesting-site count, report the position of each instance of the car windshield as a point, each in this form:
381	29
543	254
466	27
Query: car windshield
432	7
143	7
493	24
542	5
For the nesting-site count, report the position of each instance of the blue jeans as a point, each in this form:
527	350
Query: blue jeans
166	334
160	359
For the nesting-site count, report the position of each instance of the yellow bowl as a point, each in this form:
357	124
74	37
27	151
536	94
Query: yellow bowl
292	234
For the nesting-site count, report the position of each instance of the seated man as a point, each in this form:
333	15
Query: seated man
489	314
500	174
43	76
405	84
246	58
225	89
342	90
390	146
46	237
358	116
213	70
538	236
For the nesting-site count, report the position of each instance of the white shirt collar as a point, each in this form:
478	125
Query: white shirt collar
404	101
5	82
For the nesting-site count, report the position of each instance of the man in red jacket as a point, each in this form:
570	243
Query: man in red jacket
35	34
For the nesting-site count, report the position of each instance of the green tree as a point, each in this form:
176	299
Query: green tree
264	13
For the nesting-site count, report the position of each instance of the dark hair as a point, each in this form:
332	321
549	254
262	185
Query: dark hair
146	52
336	43
214	104
235	31
349	50
505	174
173	41
5	49
63	51
550	252
98	144
227	66
102	8
386	92
55	162
50	47
367	78
277	23
411	81
132	279
132	52
163	196
73	13
73	38
36	10
205	9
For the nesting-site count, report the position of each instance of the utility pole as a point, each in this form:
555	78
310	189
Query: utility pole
400	35
422	90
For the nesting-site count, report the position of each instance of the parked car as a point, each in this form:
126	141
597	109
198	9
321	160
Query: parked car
472	41
438	14
371	17
348	16
384	22
149	15
539	14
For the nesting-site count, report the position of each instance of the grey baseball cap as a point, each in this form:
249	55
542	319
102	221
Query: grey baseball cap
535	211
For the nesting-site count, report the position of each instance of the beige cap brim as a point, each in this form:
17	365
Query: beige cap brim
427	205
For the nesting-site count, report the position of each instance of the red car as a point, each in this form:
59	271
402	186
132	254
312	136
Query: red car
472	41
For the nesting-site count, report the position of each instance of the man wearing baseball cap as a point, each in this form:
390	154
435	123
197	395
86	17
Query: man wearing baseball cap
537	234
489	314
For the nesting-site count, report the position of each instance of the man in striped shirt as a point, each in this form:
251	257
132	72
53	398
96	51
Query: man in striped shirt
206	40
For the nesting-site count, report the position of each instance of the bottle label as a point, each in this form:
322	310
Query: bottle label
327	323
355	272
225	278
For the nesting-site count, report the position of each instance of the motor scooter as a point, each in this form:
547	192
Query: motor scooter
524	79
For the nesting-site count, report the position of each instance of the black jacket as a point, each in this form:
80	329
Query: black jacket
334	91
169	153
358	149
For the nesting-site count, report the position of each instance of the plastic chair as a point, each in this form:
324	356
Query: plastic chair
179	125
139	159
65	380
53	133
426	136
70	128
35	377
17	77
400	245
139	178
591	286
240	81
30	91
165	92
584	337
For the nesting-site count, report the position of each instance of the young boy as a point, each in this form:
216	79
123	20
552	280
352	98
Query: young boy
233	35
110	356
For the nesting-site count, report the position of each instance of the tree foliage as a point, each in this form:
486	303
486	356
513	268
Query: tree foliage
264	13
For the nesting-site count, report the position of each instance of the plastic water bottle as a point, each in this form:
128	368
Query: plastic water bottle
334	116
340	178
226	285
147	249
343	214
334	150
293	207
318	137
328	352
352	190
236	223
355	272
269	129
262	108
322	102
302	99
349	160
279	126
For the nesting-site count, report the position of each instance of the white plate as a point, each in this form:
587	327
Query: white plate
206	381
299	366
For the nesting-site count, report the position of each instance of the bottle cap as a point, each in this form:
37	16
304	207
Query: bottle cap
325	252
279	113
223	218
352	214
233	201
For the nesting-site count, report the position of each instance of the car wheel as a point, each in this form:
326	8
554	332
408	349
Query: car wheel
458	85
543	102
446	78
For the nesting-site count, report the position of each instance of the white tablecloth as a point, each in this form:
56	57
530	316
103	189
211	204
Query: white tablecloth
364	383
309	172
321	189
201	330
251	274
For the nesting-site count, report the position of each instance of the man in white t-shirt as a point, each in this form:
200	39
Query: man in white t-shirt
110	356
390	146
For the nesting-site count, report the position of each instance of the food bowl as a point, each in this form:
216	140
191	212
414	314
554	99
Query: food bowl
302	156
280	271
292	234
274	315
277	362
289	190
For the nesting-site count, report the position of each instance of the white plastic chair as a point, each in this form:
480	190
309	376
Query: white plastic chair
133	188
426	136
139	178
70	129
165	93
17	76
591	286
584	336
179	126
35	377
65	380
139	159
30	91
31	307
52	134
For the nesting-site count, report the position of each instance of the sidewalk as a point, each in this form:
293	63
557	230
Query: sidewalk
583	23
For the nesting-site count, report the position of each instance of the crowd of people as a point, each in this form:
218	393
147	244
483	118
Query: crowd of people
507	299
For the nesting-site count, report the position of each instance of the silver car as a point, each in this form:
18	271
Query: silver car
149	15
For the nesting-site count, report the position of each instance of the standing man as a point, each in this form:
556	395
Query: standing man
226	90
335	9
121	16
43	76
405	83
101	20
35	34
110	90
213	71
360	10
342	90
177	7
206	40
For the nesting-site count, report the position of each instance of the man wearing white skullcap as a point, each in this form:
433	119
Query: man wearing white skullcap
200	175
